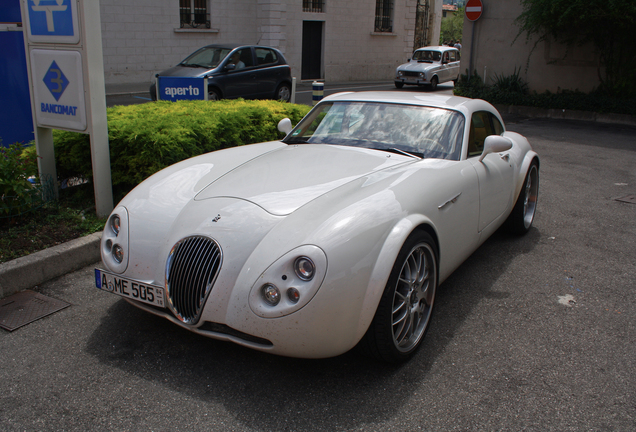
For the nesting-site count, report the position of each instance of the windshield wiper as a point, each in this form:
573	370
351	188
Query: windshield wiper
397	150
298	140
194	65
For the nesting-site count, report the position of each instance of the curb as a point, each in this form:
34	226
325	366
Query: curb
31	270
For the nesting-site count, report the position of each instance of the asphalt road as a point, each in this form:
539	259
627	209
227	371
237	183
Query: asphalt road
531	333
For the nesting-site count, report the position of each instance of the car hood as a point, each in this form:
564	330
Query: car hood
416	66
283	180
186	71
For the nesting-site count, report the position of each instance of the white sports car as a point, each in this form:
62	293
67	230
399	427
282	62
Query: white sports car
336	236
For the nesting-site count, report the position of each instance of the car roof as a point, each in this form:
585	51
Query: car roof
438	48
457	103
232	46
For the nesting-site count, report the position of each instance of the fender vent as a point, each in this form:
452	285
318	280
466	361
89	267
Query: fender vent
192	267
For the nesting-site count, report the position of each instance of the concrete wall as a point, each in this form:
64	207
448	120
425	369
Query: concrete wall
143	37
547	68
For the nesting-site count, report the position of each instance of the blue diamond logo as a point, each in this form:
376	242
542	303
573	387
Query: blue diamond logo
55	81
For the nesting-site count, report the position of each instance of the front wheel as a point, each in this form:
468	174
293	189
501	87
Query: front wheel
213	94
434	82
522	216
399	84
283	93
406	306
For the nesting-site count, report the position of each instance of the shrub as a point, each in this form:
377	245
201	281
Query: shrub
512	90
145	138
17	194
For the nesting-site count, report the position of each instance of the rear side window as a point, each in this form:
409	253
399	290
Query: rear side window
266	56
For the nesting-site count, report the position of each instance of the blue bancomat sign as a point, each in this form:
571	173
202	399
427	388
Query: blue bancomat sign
181	88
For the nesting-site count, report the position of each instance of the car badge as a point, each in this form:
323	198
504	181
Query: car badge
216	219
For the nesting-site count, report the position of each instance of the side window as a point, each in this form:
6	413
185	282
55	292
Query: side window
445	58
483	124
480	128
452	56
497	126
265	56
241	58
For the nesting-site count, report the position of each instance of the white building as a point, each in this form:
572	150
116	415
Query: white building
334	40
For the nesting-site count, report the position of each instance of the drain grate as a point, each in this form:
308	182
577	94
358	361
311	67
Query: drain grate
631	199
25	307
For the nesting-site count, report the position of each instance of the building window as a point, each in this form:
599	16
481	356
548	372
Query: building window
194	13
313	5
383	16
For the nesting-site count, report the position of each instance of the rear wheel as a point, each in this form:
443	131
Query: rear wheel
406	306
522	216
283	93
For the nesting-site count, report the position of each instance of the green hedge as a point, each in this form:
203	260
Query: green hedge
145	138
511	90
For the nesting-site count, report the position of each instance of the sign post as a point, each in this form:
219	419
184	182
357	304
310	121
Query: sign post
473	11
66	79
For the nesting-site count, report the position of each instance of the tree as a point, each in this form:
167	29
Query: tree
609	25
452	27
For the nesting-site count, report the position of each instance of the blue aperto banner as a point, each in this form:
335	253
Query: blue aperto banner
180	88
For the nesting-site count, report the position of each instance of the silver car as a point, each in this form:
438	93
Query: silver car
429	66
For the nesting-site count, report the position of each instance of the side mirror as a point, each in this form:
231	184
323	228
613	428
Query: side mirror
285	126
230	67
495	144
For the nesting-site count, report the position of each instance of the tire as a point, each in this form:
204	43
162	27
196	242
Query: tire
434	82
404	313
399	84
283	93
214	94
520	220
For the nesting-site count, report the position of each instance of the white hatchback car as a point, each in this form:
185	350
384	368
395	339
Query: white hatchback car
429	66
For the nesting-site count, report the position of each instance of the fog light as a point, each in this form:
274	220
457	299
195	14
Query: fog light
304	268
271	294
115	224
293	295
118	253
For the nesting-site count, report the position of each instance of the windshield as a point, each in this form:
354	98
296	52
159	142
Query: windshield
427	56
421	131
208	57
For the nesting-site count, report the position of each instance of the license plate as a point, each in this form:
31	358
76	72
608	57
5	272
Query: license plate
135	290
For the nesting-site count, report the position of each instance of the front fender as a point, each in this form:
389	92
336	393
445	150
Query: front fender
383	266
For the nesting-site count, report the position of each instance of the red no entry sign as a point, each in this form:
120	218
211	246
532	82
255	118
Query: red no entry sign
474	9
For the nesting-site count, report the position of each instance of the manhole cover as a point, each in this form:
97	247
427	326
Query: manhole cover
25	307
631	199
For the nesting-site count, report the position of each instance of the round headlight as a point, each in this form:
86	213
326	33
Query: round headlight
118	253
304	268
115	224
271	294
422	74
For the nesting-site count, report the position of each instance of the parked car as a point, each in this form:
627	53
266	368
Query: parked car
233	71
337	235
429	66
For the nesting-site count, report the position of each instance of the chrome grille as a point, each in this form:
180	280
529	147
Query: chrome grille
191	270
